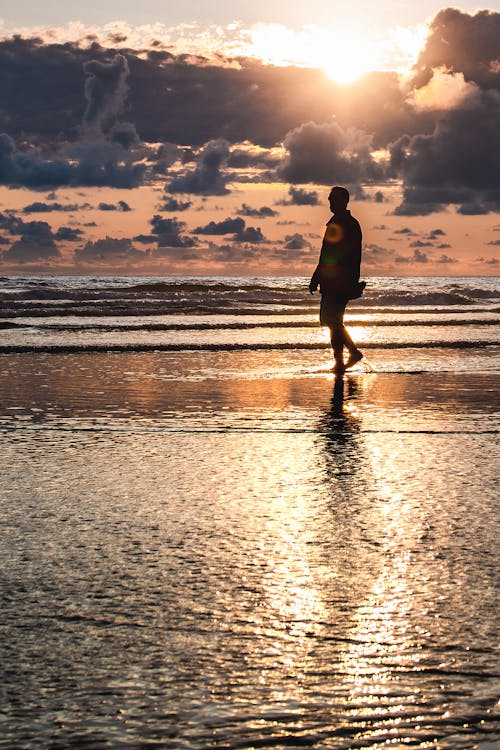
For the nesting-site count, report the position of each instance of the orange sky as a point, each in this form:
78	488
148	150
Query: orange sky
129	157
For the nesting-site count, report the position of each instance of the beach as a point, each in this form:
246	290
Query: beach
210	540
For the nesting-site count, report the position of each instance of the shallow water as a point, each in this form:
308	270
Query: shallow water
194	558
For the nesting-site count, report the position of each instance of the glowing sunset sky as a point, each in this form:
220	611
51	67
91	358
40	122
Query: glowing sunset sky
203	137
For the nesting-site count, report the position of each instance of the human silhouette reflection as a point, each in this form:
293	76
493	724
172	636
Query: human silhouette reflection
340	424
351	553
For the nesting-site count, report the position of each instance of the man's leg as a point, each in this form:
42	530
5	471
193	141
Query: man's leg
355	355
337	334
337	341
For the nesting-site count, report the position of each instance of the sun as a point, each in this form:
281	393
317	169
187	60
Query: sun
343	55
347	58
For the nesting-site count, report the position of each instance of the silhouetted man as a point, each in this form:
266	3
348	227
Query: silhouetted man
337	275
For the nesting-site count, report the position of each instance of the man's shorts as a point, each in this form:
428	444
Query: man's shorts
331	311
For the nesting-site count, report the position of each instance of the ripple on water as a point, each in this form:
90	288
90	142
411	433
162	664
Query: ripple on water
332	585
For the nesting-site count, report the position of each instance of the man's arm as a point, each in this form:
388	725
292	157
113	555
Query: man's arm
313	284
356	242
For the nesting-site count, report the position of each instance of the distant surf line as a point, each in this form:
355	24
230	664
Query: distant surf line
245	326
231	347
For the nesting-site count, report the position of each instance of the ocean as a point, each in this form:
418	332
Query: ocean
255	314
210	540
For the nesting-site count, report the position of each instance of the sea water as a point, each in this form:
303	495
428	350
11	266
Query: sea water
209	540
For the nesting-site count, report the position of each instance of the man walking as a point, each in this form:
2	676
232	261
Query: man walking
337	275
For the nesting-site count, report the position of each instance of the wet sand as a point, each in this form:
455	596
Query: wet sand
233	551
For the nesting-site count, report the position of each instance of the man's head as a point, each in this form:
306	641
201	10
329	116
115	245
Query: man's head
339	198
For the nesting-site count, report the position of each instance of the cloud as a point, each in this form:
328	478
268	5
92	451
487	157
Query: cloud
489	261
169	232
207	178
99	157
421	243
376	255
108	249
257	213
120	206
419	256
456	160
228	226
295	242
173	205
43	208
405	230
445	259
248	155
327	154
90	164
457	163
36	244
249	234
301	197
105	91
445	91
465	43
68	234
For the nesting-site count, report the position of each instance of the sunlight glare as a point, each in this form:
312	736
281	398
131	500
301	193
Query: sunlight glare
343	55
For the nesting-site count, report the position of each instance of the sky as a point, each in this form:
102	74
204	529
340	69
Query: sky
203	138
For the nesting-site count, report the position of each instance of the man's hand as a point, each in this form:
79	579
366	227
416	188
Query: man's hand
313	286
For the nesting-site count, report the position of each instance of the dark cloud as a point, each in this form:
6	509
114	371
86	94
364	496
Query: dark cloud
38	207
405	230
249	234
108	249
169	232
145	239
253	157
228	226
327	154
68	234
173	205
445	259
489	261
493	242
207	178
99	157
376	255
89	164
35	244
184	100
419	256
257	213
421	243
464	43
295	242
458	163
12	223
105	91
120	206
125	134
301	197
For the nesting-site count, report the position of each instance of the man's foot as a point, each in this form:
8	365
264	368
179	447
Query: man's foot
354	357
339	368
